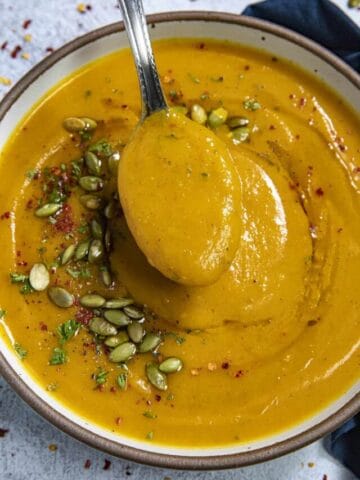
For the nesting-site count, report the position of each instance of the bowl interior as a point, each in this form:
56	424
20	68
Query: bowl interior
86	49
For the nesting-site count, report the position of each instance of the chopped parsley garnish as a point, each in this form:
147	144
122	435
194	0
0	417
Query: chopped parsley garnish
21	352
251	104
58	357
67	330
31	174
100	377
83	272
18	277
122	381
2	313
150	415
84	228
102	148
149	436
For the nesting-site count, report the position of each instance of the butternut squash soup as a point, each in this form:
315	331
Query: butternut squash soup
251	324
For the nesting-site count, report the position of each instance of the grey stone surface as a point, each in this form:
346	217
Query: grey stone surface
24	450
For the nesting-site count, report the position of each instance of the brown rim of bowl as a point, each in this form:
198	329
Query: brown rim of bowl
215	462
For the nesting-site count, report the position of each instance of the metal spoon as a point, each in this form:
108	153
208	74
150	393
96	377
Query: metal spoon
153	98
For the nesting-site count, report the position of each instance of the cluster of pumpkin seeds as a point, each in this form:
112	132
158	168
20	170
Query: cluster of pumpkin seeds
117	323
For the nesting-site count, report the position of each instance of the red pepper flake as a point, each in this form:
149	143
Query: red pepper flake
87	464
118	421
201	46
43	327
325	477
83	316
274	59
107	464
22	263
302	102
319	191
88	7
49	49
4	45
64	221
297	137
272	127
247	67
157	397
3	432
239	373
18	253
15	51
291	96
225	365
113	390
5	216
26	24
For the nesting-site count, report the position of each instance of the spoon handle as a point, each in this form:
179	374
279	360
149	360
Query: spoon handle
135	23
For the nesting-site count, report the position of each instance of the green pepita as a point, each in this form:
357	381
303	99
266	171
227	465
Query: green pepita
136	332
93	163
217	117
198	114
113	163
117	317
47	209
90	124
156	378
102	327
118	302
96	251
74	124
82	250
91	202
91	183
61	297
92	300
105	276
110	210
96	229
149	343
107	240
116	340
39	277
235	122
123	352
134	312
171	365
240	135
67	254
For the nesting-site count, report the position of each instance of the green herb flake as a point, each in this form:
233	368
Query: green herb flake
58	357
84	228
100	377
87	93
251	104
2	313
26	288
18	277
122	380
78	273
193	78
170	397
102	148
76	169
149	436
21	352
149	414
67	330
204	96
31	174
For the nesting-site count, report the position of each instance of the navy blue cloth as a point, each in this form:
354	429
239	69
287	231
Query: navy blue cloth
325	23
319	20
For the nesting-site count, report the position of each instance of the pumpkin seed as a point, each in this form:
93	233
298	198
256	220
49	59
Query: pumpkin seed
107	240
198	114
240	135
74	124
171	365
235	122
82	250
136	332
217	117
91	183
96	251
61	297
116	340
180	109
122	381
155	377
39	277
102	327
105	276
93	163
92	300
149	343
110	210
48	209
91	201
113	163
118	302
96	229
134	312
123	352
117	317
67	254
90	124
